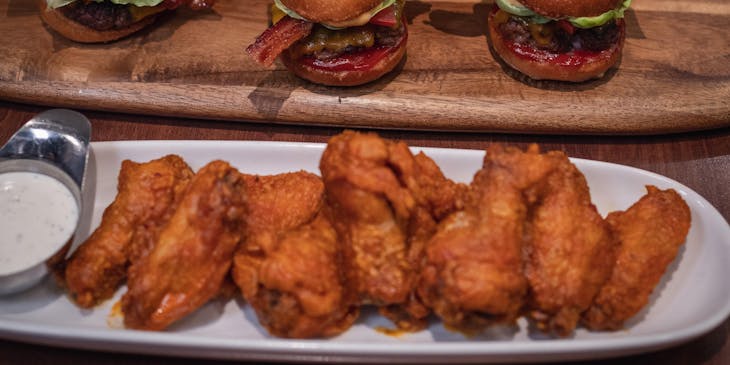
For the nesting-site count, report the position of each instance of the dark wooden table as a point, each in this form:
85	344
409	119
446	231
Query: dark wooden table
700	160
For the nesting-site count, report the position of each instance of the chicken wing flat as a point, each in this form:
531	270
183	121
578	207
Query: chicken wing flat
377	190
473	275
650	233
570	250
288	265
193	253
147	194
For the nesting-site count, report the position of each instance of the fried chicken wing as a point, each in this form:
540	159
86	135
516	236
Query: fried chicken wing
473	275
147	194
378	190
570	249
193	253
288	266
650	233
436	197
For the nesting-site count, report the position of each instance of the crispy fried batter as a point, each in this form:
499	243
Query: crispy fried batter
473	276
287	267
382	227
147	194
650	233
386	202
570	252
193	253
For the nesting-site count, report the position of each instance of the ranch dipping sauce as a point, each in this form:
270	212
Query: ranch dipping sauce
38	215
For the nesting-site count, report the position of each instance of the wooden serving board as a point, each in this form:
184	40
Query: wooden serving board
674	75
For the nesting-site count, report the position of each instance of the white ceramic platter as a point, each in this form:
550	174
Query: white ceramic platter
693	298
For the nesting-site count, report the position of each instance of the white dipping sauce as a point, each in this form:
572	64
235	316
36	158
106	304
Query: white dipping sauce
38	215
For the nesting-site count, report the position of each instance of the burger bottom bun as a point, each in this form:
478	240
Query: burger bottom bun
80	33
588	68
346	78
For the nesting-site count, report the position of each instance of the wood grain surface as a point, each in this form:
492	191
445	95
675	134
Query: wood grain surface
674	75
699	160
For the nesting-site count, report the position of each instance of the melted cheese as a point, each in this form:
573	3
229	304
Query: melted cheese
140	12
276	14
354	22
542	34
335	41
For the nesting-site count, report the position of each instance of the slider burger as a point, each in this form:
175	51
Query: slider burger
566	40
94	21
334	42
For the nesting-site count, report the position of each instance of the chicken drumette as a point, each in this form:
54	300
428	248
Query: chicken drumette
473	276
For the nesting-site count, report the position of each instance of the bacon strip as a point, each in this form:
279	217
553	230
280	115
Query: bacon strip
277	38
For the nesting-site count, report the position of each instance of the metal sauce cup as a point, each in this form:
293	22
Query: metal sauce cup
54	143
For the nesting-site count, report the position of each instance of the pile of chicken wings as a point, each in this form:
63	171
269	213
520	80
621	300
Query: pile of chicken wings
381	227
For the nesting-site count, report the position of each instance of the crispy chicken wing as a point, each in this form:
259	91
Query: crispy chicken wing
570	252
650	233
386	203
288	266
147	194
473	275
193	253
436	197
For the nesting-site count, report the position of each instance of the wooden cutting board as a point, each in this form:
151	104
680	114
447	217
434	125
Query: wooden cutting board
674	75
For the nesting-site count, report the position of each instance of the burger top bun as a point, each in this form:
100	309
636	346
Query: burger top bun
323	11
574	8
83	34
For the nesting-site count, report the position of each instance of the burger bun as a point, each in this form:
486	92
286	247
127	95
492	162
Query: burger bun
83	34
346	78
324	11
588	68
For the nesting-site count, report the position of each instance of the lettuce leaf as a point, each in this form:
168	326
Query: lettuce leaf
53	4
594	21
515	8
